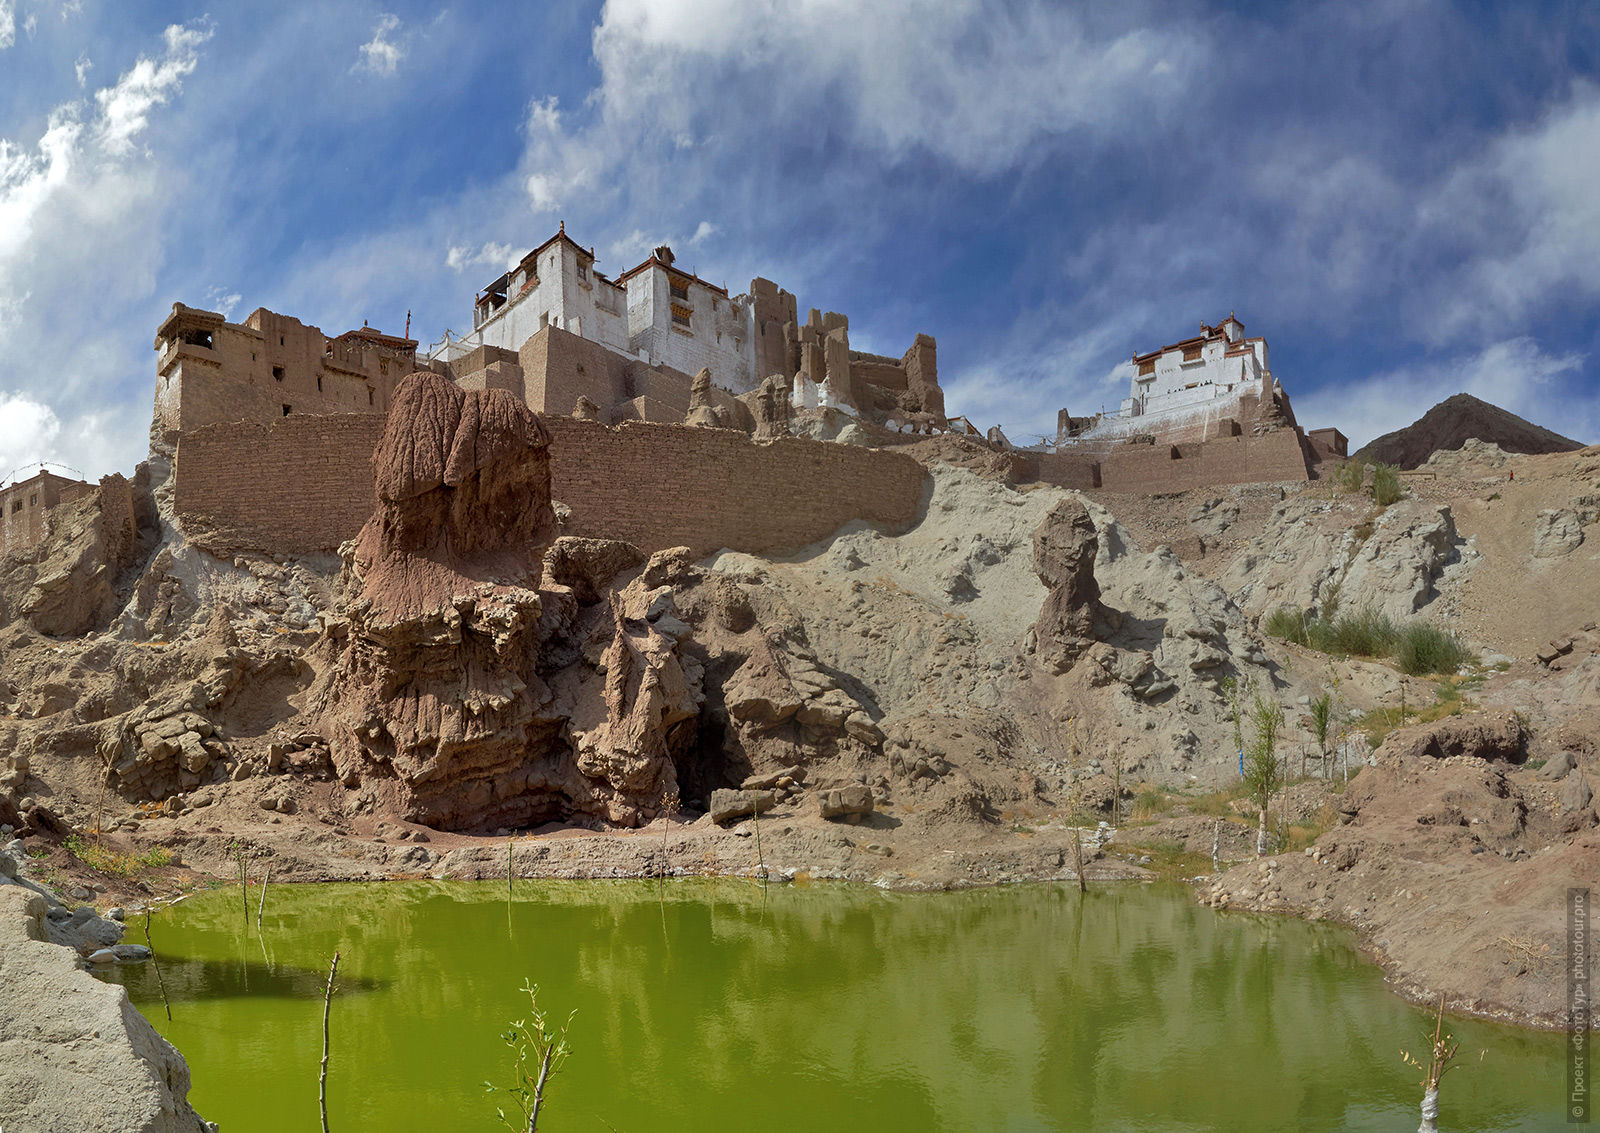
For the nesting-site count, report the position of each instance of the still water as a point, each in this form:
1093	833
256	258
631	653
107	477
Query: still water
713	1005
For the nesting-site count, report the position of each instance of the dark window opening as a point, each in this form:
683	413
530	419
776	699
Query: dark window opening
33	501
369	397
197	338
286	411
277	373
280	340
16	506
680	290
319	383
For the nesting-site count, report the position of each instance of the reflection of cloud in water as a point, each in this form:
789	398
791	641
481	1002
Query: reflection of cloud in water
810	1006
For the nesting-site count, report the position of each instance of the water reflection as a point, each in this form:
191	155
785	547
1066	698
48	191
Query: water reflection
812	1007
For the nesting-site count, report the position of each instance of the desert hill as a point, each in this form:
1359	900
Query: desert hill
1456	420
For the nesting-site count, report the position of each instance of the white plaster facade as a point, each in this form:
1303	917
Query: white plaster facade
1182	386
1215	363
655	312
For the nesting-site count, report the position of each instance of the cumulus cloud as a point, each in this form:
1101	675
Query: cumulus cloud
29	179
125	107
1514	373
978	84
382	55
28	432
81	201
1528	211
705	231
461	257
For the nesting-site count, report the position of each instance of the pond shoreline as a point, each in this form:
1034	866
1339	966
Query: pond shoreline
791	847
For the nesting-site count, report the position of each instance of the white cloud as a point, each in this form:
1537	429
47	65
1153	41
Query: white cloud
973	83
1513	373
223	301
1530	208
461	257
1040	369
29	180
704	232
8	24
28	431
382	55
125	107
82	68
84	201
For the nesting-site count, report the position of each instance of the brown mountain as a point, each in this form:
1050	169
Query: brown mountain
1452	422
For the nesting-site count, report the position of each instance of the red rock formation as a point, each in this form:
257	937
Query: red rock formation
436	704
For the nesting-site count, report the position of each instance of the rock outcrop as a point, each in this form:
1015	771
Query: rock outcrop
1556	532
74	1053
1064	549
484	673
67	585
703	412
1494	735
1395	570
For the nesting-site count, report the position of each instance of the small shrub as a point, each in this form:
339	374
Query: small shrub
1288	624
1351	476
1424	648
1494	497
1386	484
1151	802
1365	633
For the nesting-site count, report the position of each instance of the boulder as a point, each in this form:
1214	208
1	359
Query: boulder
1557	766
852	801
1576	794
728	805
1556	532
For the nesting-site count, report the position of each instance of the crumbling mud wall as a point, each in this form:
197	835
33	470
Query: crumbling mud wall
305	484
1270	457
659	486
298	485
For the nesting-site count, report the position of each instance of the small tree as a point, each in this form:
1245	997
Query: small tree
1263	768
1075	801
538	1050
1441	1057
1321	721
1237	693
1117	760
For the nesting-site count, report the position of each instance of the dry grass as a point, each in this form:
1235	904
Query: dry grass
115	863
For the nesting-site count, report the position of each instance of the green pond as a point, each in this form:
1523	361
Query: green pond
715	1005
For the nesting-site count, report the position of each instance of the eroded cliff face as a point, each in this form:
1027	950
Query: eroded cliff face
464	689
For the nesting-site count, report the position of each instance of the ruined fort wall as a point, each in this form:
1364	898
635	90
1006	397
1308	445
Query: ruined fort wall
303	484
1064	470
1226	460
663	486
25	508
295	485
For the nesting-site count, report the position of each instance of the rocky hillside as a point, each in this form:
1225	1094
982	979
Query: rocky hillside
1456	420
932	708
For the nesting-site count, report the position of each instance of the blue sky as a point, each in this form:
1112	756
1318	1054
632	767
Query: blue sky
1402	195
